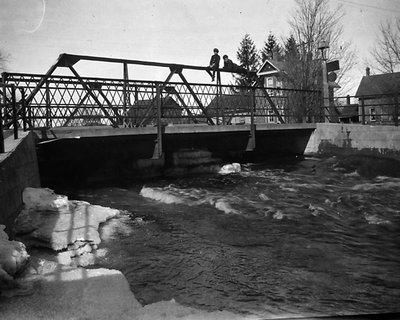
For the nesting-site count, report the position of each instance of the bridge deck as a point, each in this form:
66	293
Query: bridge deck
101	131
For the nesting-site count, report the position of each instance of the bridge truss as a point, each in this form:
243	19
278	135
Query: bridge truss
52	100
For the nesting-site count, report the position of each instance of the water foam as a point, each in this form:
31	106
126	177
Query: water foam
190	197
377	186
375	219
230	168
160	194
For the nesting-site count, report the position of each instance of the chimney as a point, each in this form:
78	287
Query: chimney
367	71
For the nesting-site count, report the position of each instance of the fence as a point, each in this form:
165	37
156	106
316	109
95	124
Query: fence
371	110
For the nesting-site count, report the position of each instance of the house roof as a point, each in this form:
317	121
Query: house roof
270	67
379	84
165	101
230	103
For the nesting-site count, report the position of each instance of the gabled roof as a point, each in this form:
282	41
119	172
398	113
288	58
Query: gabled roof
229	104
379	84
270	67
165	101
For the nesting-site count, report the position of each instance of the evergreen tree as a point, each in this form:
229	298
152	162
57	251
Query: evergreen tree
293	63
291	49
271	49
248	58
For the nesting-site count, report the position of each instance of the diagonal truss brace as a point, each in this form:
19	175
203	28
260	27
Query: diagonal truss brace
209	120
88	89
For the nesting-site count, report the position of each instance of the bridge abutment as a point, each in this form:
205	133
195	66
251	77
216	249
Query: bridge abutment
18	170
354	139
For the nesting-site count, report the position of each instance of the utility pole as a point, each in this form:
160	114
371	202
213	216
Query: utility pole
323	45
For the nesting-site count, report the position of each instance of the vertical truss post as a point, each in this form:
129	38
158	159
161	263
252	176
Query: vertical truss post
135	111
14	112
251	144
218	110
23	108
2	103
125	94
48	110
219	94
158	149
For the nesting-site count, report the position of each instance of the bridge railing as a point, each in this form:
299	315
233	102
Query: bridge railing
68	101
12	111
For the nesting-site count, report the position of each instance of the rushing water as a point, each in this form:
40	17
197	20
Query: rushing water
304	237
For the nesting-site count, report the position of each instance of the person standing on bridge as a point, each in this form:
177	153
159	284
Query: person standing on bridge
214	64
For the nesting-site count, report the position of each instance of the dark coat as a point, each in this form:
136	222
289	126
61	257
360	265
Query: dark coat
214	61
233	67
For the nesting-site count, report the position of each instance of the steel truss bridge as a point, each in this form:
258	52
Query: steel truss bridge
34	101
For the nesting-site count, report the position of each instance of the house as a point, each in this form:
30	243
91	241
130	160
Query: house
377	96
271	74
144	112
233	109
85	116
348	113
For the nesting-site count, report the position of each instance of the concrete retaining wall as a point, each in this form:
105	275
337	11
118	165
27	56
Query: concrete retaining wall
332	138
18	170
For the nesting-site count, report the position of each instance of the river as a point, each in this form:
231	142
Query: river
306	236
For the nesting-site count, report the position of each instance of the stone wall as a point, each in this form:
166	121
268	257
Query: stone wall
18	170
342	139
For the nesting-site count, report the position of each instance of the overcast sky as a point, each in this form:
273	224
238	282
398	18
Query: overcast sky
34	32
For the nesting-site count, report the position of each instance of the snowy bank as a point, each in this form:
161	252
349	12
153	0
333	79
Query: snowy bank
13	259
63	291
52	221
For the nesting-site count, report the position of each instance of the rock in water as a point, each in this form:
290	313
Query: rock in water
230	168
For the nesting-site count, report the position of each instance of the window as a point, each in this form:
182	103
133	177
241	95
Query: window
372	114
271	116
270	82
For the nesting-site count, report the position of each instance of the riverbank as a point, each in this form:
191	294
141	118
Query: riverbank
62	292
49	289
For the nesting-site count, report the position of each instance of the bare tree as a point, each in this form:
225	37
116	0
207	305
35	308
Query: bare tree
386	53
311	22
